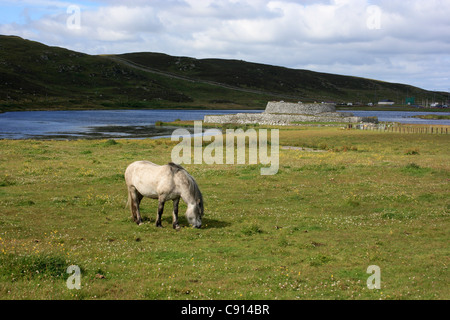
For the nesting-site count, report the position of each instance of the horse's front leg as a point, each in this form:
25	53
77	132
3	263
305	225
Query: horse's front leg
175	224
160	212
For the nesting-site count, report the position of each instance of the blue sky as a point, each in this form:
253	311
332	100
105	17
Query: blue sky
390	40
20	11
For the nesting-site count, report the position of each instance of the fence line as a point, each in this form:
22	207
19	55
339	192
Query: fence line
401	128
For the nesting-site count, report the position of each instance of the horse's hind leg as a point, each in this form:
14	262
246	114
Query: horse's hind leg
160	212
175	214
135	199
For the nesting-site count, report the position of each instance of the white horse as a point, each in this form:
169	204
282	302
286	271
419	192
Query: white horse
166	182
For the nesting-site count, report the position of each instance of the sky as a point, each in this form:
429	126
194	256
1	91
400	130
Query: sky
403	41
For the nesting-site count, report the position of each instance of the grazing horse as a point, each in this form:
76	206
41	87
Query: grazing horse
166	182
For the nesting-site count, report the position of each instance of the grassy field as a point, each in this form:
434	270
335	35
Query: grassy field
308	232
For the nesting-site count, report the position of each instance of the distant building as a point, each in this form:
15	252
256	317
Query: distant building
410	101
386	102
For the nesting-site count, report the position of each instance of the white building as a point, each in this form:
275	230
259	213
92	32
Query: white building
386	102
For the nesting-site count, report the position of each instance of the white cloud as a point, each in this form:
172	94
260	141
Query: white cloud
409	41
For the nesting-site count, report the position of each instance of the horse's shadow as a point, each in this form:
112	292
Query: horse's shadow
214	224
207	223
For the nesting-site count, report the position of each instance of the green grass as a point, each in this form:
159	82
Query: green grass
308	232
433	116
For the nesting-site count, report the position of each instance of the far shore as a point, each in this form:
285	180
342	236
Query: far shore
433	117
214	107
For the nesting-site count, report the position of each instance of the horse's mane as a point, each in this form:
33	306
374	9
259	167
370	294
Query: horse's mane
193	187
176	167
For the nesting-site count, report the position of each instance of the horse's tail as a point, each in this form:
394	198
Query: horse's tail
128	200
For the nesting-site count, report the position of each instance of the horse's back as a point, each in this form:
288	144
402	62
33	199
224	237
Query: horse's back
143	163
149	178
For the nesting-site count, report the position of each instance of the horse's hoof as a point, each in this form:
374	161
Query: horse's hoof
177	227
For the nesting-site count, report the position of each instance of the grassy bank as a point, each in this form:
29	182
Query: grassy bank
389	108
308	232
433	117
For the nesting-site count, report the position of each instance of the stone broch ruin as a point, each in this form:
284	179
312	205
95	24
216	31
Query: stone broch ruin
286	113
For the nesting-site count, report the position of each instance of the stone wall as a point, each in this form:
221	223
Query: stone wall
283	113
299	108
277	119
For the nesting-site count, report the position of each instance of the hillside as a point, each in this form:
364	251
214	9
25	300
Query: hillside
36	76
294	84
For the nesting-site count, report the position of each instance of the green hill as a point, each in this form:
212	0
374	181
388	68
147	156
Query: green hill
35	76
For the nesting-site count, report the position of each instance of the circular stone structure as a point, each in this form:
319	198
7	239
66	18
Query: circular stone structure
299	108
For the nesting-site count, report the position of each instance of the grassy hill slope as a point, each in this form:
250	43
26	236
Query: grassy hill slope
36	76
293	83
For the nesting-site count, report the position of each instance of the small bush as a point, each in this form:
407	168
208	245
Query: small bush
110	142
323	146
283	242
319	260
412	166
345	149
250	230
410	152
415	170
25	203
7	181
353	203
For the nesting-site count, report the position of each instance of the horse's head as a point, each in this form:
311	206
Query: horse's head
194	213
